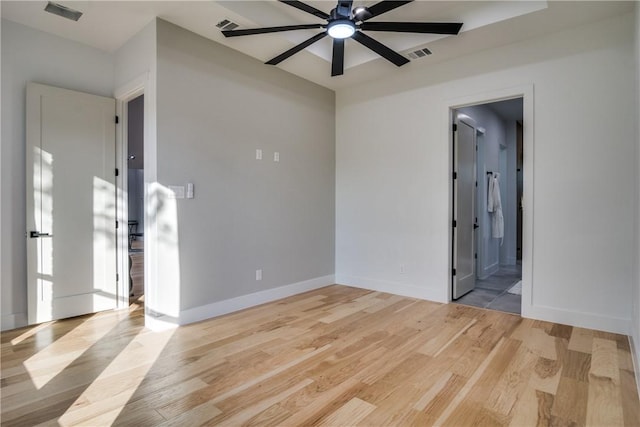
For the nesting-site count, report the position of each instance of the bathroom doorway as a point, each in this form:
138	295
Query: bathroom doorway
495	206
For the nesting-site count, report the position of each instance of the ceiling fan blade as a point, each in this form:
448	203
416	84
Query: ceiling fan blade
265	30
413	27
278	59
384	7
306	8
337	63
379	48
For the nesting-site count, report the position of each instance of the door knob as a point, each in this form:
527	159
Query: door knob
36	234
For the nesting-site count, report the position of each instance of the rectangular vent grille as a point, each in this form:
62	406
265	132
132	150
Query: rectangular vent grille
226	24
420	53
65	12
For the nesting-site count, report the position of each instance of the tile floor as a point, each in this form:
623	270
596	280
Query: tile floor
492	292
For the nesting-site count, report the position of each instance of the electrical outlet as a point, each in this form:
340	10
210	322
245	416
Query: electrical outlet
276	157
258	154
259	274
403	268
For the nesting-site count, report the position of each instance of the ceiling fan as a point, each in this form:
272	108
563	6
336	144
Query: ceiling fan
343	23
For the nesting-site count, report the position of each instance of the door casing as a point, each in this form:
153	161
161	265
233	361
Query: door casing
526	92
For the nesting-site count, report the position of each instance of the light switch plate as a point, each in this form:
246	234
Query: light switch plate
178	191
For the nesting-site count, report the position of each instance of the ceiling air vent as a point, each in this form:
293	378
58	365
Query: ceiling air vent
420	53
226	24
65	12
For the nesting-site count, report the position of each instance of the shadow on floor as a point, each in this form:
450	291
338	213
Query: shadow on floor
492	292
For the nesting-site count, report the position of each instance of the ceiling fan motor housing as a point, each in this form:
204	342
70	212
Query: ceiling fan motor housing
342	10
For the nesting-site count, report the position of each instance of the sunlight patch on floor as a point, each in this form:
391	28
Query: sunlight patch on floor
115	386
30	332
49	362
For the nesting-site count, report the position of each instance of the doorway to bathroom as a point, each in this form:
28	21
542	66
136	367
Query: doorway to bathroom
487	206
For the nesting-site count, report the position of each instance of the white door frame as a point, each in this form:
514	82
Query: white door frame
123	95
525	92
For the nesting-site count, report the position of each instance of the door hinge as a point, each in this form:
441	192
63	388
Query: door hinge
117	119
453	271
476	183
117	224
118	172
117	277
475	256
454	223
454	127
455	175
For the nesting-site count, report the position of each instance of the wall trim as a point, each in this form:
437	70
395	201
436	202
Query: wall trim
396	288
246	301
618	325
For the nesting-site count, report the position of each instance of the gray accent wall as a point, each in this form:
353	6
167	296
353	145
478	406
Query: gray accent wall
215	108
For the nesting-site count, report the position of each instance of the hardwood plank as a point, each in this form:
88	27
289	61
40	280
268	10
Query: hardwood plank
546	375
533	408
604	360
577	365
511	383
431	394
333	355
469	385
349	414
581	340
570	401
603	406
629	393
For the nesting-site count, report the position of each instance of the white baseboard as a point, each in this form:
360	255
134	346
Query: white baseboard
245	301
13	321
580	319
395	288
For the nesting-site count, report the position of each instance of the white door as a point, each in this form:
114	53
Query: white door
464	216
71	203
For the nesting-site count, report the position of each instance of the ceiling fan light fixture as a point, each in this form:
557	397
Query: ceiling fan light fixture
361	13
341	28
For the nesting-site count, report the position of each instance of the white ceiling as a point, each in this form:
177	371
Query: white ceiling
107	25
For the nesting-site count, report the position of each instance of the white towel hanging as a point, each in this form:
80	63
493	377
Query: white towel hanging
494	205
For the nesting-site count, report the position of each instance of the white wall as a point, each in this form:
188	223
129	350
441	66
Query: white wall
392	192
29	55
215	108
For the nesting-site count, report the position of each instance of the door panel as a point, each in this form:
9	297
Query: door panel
71	260
464	209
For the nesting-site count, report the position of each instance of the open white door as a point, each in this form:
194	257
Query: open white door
464	216
71	203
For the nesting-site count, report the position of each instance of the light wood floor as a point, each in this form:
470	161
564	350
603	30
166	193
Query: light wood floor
336	356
